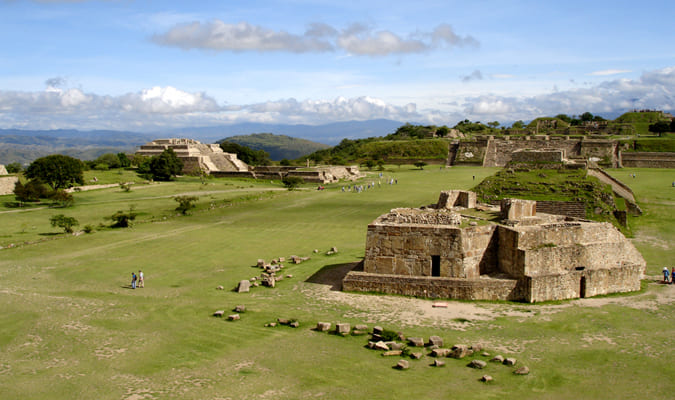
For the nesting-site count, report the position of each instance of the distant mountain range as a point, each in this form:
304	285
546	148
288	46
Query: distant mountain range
24	146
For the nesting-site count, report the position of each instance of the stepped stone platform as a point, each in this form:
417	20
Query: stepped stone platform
195	155
436	252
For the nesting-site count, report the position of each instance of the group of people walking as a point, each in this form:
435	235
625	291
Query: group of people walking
668	278
137	280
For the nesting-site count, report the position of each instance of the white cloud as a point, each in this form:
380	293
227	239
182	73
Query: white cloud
357	39
608	72
475	75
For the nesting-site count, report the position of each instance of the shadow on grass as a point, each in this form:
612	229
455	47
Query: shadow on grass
333	274
50	233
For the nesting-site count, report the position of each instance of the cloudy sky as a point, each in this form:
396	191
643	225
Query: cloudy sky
147	64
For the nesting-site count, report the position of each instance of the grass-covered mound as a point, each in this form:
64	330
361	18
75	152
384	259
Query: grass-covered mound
556	185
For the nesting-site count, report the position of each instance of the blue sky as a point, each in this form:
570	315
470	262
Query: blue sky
148	65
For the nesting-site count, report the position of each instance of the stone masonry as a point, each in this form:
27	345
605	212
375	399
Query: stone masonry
196	156
431	253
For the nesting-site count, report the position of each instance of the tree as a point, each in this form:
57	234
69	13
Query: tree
165	166
246	154
32	191
586	117
125	162
110	160
493	124
518	125
123	219
67	223
185	203
369	164
420	164
58	171
292	182
660	127
14	168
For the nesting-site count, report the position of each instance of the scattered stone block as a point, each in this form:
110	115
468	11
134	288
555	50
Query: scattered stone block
256	284
239	309
401	336
438	363
416	355
403	364
283	321
498	358
459	351
416	341
334	249
294	324
219	313
522	371
282	259
244	286
316	250
261	263
361	327
271	325
395	345
357	332
219	288
234	317
509	361
485	354
476	347
289	276
381	346
478	364
440	305
377	330
441	352
486	378
323	326
342	328
392	353
435	341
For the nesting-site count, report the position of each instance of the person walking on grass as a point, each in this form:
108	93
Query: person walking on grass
672	276
141	279
133	280
665	275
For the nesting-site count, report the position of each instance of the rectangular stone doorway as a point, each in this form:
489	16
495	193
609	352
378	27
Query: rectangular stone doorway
435	265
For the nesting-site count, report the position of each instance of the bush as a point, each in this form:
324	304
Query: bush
67	223
14	168
88	229
123	219
32	191
62	198
185	203
292	182
420	164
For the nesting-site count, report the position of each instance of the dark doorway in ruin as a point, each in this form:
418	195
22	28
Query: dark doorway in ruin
582	287
435	265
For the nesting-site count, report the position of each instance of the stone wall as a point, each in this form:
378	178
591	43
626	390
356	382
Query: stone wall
432	287
456	198
3	170
647	160
7	184
408	250
573	209
512	209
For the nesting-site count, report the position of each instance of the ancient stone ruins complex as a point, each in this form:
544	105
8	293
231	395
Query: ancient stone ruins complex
452	250
212	160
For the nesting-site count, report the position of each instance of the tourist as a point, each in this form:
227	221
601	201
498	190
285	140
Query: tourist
133	280
141	279
665	274
672	276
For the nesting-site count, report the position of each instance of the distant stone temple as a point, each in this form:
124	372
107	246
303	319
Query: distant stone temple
196	156
3	170
454	250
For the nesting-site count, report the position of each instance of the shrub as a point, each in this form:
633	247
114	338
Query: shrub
420	164
185	203
123	219
67	223
62	198
88	228
292	182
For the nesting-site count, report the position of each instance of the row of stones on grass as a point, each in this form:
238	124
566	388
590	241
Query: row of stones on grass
386	342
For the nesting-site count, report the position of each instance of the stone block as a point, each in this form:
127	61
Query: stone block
342	328
435	341
244	286
459	351
403	364
477	364
219	313
416	341
323	326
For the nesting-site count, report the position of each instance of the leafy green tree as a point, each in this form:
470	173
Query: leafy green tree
564	118
185	203
67	223
162	167
14	168
369	164
518	124
109	159
125	162
58	171
443	131
586	117
122	219
660	127
493	124
32	191
62	198
420	164
292	182
285	162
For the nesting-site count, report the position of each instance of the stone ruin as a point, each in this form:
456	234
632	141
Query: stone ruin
195	155
6	182
530	257
3	170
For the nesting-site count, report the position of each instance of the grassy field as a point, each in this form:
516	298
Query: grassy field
72	328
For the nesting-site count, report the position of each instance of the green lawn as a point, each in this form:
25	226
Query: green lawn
71	327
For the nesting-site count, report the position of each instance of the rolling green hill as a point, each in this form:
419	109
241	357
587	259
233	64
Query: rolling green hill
278	146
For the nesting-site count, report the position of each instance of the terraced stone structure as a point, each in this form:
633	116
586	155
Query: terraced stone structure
438	253
195	155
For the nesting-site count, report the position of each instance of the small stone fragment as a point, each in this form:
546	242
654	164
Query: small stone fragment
342	328
435	341
392	353
509	361
240	309
416	341
381	346
283	321
294	324
219	288
486	378
478	364
233	317
323	326
498	358
219	313
438	363
522	371
416	355
243	286
403	364
459	351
